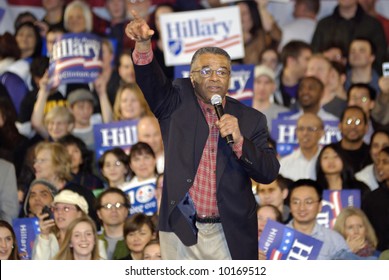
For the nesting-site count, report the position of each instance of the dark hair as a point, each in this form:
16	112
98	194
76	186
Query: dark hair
269	49
308	183
316	80
9	134
255	16
293	49
14	253
141	148
339	67
355	108
117	152
211	50
370	90
346	173
9	47
20	19
87	156
135	222
112	190
275	210
365	39
378	131
311	5
38	38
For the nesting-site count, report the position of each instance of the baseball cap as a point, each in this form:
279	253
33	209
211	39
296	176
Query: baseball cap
70	197
263	70
80	95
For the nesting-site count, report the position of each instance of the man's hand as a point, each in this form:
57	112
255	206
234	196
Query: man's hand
228	124
138	29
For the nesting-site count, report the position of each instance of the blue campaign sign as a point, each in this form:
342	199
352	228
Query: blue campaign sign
26	230
333	202
76	58
241	82
142	197
122	134
280	242
284	133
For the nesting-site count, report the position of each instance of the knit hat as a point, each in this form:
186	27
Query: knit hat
80	94
50	187
70	197
263	70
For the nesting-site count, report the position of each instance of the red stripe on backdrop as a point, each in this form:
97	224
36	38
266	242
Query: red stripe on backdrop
38	3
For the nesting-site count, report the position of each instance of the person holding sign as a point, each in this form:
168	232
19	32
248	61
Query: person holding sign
207	197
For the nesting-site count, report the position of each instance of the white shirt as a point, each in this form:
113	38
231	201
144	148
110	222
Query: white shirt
367	176
295	166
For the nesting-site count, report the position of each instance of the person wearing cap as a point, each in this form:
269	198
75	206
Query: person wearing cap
81	103
264	88
67	206
40	194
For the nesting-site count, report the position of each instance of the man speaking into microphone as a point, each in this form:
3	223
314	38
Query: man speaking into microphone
208	210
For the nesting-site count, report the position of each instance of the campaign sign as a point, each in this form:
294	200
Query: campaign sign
280	242
122	134
185	32
241	82
76	58
333	202
142	197
26	230
284	133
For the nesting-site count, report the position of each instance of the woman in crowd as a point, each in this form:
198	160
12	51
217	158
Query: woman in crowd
78	17
356	229
81	163
138	231
8	243
29	41
114	166
152	251
333	173
80	241
369	174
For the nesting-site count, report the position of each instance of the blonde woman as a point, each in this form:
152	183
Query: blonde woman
353	224
78	17
80	241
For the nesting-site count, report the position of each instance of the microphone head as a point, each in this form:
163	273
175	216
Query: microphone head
216	99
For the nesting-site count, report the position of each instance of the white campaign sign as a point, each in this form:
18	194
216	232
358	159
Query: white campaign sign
185	32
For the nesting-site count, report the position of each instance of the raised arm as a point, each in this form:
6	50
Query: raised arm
139	31
39	108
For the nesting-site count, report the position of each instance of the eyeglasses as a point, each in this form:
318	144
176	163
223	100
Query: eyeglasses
115	164
307	202
207	72
64	209
307	128
351	121
116	205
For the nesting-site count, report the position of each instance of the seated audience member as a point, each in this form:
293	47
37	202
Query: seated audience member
265	213
300	164
149	132
356	229
113	209
152	251
375	205
138	231
276	194
81	163
369	175
264	88
41	193
9	205
8	242
305	204
143	165
67	206
353	126
309	95
114	167
334	173
80	241
363	95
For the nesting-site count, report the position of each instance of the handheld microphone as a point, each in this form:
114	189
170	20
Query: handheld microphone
216	101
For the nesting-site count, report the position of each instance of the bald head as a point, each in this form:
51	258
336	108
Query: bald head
150	133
